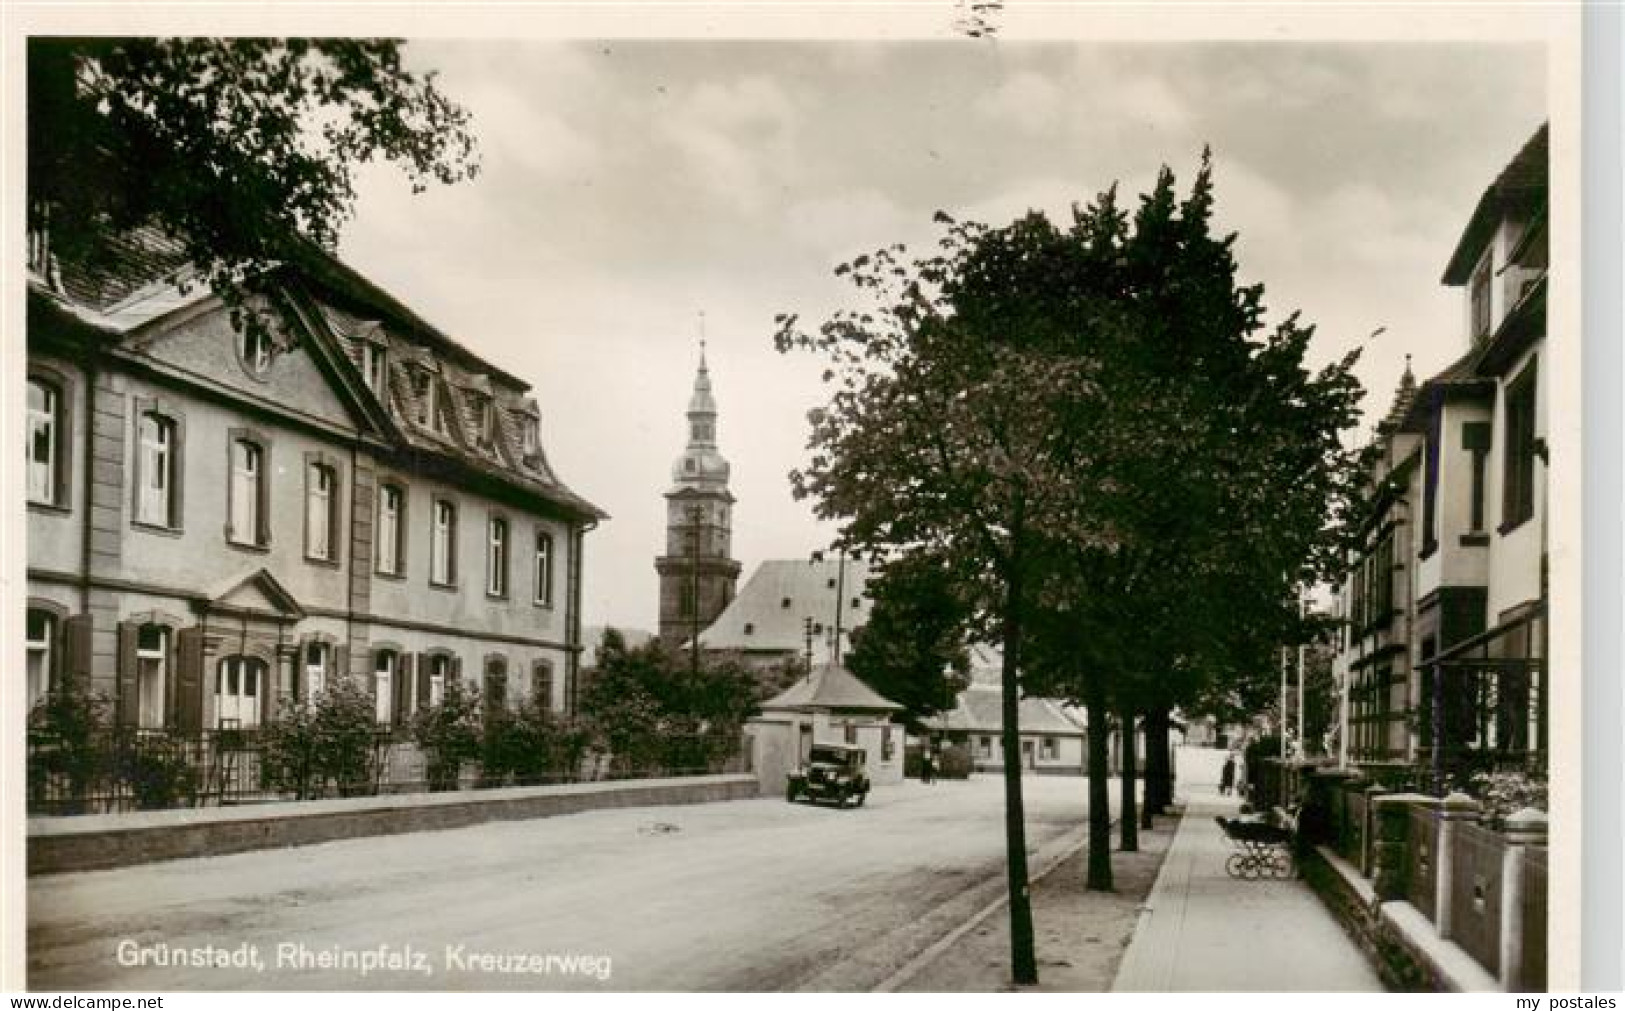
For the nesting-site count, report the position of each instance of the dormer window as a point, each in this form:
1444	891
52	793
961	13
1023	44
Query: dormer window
254	348
373	363
532	435
484	421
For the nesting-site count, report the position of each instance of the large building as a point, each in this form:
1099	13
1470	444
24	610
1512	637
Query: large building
697	572
222	517
1443	655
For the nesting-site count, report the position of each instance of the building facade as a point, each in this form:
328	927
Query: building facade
223	518
697	571
1443	657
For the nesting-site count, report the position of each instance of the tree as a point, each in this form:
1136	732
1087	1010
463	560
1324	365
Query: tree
653	711
959	418
237	152
1221	470
912	648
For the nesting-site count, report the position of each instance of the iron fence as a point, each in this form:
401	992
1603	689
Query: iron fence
118	770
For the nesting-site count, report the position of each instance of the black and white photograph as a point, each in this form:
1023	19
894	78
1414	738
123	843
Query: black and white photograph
960	497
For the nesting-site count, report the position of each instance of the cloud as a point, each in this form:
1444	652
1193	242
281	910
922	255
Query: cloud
1029	100
736	139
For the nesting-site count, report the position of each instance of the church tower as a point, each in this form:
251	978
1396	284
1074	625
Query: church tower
697	574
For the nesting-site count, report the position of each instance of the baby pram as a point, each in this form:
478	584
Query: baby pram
1263	849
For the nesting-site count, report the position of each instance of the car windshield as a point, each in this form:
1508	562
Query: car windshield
828	756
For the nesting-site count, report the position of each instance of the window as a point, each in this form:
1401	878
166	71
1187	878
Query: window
248	524
544	568
439	675
541	682
391	505
44	442
385	666
750	628
685	601
1480	299
1518	498
151	672
372	366
1048	748
443	543
1475	438
321	510
888	750
156	470
532	435
484	421
496	557
851	733
237	685
254	347
785	604
318	658
984	747
41	636
1430	485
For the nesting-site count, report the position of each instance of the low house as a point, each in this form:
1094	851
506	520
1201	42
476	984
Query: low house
828	706
1052	743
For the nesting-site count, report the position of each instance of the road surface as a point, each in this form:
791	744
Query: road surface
743	895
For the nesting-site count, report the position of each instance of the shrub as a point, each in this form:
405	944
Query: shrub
157	769
334	742
1503	793
66	737
449	734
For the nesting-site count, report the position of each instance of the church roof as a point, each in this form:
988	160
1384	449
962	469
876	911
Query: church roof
769	612
830	686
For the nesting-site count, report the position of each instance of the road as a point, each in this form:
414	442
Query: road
738	896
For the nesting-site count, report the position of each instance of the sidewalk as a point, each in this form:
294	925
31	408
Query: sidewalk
1203	930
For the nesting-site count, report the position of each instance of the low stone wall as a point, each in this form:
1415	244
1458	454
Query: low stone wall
96	842
1398	940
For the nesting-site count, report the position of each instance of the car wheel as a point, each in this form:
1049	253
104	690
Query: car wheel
790	793
861	798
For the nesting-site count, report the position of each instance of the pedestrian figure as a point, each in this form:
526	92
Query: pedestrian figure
928	768
1227	778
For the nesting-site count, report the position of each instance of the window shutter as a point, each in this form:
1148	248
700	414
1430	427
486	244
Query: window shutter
403	672
457	668
189	680
76	657
421	662
341	666
129	684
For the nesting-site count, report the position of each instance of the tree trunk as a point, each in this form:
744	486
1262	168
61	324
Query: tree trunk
1099	878
1128	818
1159	790
1023	958
1149	807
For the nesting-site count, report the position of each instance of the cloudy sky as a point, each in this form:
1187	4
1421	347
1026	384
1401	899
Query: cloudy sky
629	185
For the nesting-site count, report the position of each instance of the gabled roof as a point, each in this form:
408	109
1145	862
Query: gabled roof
758	619
1521	187
258	592
830	687
980	710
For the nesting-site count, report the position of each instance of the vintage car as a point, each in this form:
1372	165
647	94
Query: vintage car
834	772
